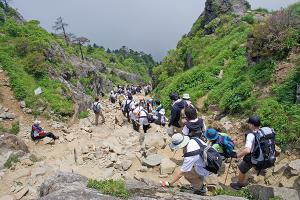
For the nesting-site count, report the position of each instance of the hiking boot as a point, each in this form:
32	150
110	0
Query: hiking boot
202	191
237	186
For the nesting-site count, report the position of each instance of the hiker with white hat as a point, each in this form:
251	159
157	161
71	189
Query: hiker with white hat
37	132
186	99
193	166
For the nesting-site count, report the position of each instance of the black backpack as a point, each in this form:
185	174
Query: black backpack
126	108
149	117
263	155
212	159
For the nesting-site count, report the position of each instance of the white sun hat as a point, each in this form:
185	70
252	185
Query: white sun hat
186	96
179	141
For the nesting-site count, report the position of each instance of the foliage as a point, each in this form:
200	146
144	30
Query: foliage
15	128
111	187
12	159
239	193
84	114
221	69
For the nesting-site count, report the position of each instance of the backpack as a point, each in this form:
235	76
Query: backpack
263	154
149	117
227	145
96	108
126	108
194	130
212	159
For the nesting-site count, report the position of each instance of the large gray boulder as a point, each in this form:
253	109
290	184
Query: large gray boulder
69	186
265	193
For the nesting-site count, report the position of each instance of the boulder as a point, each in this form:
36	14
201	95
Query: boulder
152	160
295	167
154	140
7	115
126	164
167	166
22	104
21	193
265	193
13	143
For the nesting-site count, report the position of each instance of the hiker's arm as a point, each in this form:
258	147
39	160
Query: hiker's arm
244	152
173	115
176	177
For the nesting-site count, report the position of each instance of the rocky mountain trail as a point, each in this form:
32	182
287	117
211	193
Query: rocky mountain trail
112	150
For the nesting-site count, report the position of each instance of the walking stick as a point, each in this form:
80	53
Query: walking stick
228	171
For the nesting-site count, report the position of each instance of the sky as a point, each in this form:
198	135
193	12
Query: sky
152	26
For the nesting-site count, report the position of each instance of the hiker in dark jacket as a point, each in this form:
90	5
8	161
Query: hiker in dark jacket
177	106
195	126
37	132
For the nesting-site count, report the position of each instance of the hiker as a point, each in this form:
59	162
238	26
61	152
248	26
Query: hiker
127	106
177	106
193	167
112	97
259	151
134	118
149	105
221	142
186	100
37	132
161	119
142	115
97	108
195	126
121	99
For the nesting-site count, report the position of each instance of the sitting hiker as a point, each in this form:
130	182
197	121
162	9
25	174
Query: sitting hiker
195	126
221	142
37	132
193	167
259	151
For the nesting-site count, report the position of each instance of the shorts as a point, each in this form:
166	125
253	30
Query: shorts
245	165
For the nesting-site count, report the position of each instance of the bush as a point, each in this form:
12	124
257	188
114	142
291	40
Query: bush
12	159
240	193
84	114
15	128
249	19
110	187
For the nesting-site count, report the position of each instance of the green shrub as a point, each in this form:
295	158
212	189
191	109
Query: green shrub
249	19
240	193
36	65
84	114
15	128
110	187
12	159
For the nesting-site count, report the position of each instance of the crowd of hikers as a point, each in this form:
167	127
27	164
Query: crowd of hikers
204	148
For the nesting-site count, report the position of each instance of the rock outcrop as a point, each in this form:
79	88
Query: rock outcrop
73	186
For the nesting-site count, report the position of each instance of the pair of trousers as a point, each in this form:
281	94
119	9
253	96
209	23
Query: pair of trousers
195	179
97	117
49	134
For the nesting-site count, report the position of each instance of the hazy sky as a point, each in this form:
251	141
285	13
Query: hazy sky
152	26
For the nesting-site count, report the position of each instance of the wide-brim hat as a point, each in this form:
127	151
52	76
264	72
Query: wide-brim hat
162	112
186	96
211	134
179	141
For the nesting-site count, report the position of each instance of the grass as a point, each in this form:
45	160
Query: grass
84	114
14	129
241	193
12	159
110	187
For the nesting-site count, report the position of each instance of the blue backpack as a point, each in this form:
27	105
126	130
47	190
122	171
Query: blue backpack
227	145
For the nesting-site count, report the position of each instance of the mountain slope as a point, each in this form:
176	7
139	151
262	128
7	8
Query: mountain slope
234	58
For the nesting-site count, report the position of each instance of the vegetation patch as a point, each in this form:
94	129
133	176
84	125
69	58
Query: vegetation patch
84	114
110	187
12	159
241	193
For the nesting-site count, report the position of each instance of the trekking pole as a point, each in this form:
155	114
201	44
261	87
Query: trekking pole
228	171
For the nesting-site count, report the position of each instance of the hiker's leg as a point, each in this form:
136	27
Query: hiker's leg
51	135
96	119
243	167
102	116
195	179
171	131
